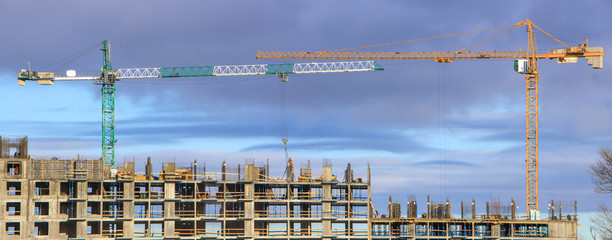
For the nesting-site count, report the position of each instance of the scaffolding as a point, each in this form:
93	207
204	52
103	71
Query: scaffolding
84	199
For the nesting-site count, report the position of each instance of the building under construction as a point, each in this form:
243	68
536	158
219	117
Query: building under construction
84	199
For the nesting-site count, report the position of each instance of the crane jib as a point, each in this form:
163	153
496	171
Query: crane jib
237	70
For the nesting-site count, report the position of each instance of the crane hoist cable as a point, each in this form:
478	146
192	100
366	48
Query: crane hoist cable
282	87
444	127
284	131
71	59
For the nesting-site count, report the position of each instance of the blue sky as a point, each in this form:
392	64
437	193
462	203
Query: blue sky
463	141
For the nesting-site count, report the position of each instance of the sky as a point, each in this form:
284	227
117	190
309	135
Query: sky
453	131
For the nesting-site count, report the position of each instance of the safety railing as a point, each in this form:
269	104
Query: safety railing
112	233
360	197
209	232
340	232
157	194
13	232
359	214
184	232
421	230
233	195
141	194
234	232
234	213
209	195
215	214
459	233
156	213
530	233
228	232
112	213
340	196
359	232
440	232
307	232
185	213
271	214
41	191
13	213
140	214
339	213
220	195
184	196
271	231
140	233
307	195
13	192
305	214
271	195
401	232
112	194
482	232
156	234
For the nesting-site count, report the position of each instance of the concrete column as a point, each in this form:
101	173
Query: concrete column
53	230
128	229
128	190
80	209
81	229
327	228
31	189
168	228
249	227
327	197
53	210
249	172
3	192
327	174
54	188
128	209
249	191
169	209
249	205
495	230
169	190
81	188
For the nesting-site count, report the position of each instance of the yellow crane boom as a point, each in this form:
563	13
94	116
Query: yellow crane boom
526	63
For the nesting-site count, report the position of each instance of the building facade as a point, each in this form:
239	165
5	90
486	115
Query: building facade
84	199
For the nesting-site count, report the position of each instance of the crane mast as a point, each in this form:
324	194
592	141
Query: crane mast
108	107
526	63
109	77
531	135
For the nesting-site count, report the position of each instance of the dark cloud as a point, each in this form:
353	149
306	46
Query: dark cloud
447	162
397	145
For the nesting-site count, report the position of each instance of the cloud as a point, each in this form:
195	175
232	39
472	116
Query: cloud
447	162
390	118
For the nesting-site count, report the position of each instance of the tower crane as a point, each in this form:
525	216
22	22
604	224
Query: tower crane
526	63
108	77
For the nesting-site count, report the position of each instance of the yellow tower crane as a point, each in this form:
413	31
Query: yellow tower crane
526	63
